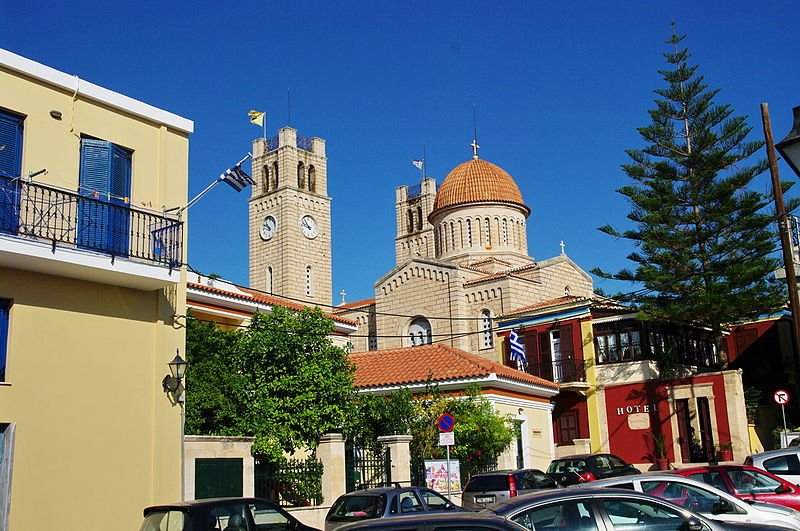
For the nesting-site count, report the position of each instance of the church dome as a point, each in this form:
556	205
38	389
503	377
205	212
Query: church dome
478	181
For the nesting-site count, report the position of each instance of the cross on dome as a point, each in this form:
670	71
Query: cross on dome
475	148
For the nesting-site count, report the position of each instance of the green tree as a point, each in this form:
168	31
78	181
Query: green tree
705	239
280	380
212	389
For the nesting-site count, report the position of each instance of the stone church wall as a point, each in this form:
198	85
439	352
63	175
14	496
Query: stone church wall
422	289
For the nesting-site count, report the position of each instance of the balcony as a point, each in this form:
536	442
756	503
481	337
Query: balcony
568	372
59	232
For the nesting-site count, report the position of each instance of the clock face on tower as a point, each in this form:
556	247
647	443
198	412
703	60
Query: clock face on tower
309	227
267	229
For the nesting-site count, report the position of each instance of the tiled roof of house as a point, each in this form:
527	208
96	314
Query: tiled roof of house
261	298
477	181
413	365
551	303
595	302
355	304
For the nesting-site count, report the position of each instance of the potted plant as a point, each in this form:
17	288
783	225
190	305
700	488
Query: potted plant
660	451
726	451
752	398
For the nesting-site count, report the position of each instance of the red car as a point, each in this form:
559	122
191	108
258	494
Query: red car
746	483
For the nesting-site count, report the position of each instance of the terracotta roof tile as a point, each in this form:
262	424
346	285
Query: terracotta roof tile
477	181
390	367
355	304
551	303
256	296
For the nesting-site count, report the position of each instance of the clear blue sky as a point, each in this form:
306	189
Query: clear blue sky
560	89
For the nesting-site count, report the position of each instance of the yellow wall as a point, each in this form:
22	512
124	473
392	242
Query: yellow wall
96	438
593	406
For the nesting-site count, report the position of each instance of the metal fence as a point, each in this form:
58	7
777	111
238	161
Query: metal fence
560	371
94	222
295	483
365	467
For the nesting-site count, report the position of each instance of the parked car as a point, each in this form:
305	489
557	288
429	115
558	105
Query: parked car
221	514
588	467
704	499
601	509
384	502
491	487
784	463
481	521
746	483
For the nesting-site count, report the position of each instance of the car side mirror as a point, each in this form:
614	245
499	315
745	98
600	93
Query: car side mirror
721	506
782	489
449	506
692	524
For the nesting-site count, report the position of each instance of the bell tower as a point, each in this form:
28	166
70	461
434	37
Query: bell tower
413	205
290	218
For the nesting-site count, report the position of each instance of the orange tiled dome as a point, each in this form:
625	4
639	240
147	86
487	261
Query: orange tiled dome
477	181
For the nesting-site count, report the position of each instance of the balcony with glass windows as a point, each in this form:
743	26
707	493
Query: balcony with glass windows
87	236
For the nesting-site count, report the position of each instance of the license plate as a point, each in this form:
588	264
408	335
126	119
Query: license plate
484	499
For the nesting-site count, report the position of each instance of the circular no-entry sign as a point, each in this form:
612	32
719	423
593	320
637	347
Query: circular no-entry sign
781	397
445	422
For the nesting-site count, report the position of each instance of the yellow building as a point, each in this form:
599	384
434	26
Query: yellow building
90	279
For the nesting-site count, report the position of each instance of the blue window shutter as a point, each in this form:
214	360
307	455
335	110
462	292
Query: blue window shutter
94	184
10	167
5	307
120	191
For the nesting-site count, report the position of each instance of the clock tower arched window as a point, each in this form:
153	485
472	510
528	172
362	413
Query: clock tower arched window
419	332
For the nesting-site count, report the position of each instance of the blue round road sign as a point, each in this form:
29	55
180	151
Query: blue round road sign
446	422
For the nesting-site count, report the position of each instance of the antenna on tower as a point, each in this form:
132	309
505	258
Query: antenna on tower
475	146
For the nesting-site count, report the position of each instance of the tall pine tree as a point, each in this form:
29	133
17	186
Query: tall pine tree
705	239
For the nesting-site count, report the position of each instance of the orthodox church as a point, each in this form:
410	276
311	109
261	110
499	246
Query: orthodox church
461	261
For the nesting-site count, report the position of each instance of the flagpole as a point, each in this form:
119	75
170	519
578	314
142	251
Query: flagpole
424	162
265	125
289	104
207	189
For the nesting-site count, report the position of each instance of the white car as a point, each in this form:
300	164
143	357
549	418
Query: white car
784	463
704	499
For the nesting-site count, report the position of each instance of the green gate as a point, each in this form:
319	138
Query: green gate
367	468
218	477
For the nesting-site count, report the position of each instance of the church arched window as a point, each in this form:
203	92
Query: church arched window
452	235
308	281
488	230
469	233
301	175
269	279
265	178
419	332
486	329
419	218
505	231
410	214
312	179
274	175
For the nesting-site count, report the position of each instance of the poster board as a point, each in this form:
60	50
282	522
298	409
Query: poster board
436	475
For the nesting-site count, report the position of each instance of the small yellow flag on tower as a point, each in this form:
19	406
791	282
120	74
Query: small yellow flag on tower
256	117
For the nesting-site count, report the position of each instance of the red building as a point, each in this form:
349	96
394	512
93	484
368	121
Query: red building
614	394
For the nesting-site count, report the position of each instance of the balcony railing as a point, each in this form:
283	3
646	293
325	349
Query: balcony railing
92	222
560	371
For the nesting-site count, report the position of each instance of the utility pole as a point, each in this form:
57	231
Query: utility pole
786	239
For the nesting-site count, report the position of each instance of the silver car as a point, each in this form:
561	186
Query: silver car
784	463
600	509
704	499
491	487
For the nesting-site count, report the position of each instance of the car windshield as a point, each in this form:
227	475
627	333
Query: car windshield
163	521
567	465
752	482
488	483
355	507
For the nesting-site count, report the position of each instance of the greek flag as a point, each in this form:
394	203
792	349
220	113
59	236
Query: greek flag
417	163
517	350
237	178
